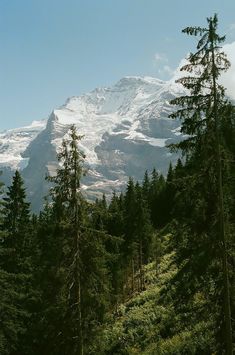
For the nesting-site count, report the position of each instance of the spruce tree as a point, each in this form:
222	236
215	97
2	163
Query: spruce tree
68	206
15	270
84	282
130	244
202	114
144	232
16	222
115	246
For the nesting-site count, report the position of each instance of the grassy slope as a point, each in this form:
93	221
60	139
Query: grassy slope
148	322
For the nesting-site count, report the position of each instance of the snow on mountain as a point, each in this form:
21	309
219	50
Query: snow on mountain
126	129
14	142
130	103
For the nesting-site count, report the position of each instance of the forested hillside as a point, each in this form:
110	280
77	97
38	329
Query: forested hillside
152	271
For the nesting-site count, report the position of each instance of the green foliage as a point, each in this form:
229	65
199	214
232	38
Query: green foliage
147	271
15	268
149	323
73	259
202	237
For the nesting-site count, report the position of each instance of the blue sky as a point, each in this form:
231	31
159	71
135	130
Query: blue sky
53	49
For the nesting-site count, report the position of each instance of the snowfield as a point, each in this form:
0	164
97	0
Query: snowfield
125	127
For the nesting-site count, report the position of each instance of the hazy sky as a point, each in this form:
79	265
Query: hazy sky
53	49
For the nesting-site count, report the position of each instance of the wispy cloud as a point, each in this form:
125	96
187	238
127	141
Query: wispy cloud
232	27
166	69
227	79
161	62
160	57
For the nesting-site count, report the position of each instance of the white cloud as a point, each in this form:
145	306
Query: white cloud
227	79
232	27
177	73
161	60
160	57
166	69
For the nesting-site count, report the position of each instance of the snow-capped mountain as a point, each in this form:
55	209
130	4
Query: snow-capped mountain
126	129
14	142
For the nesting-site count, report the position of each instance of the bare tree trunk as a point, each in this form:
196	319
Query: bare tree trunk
141	267
132	274
222	234
223	239
77	267
79	310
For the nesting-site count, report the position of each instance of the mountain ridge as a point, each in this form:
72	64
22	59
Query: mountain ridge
125	127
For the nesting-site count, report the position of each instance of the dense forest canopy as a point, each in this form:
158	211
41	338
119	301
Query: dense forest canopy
149	271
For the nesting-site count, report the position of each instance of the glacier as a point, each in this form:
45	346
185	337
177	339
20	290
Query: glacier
125	129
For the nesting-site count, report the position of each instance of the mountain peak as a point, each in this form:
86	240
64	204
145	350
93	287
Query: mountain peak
139	80
125	127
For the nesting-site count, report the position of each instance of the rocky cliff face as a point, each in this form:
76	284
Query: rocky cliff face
126	129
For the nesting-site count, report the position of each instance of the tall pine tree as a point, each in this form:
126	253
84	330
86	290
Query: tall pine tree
202	115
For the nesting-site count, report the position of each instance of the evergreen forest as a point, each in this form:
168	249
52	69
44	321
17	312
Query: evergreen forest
150	270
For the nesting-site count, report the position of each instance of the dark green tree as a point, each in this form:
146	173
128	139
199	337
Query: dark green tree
144	233
68	207
202	114
84	280
15	269
130	238
16	223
